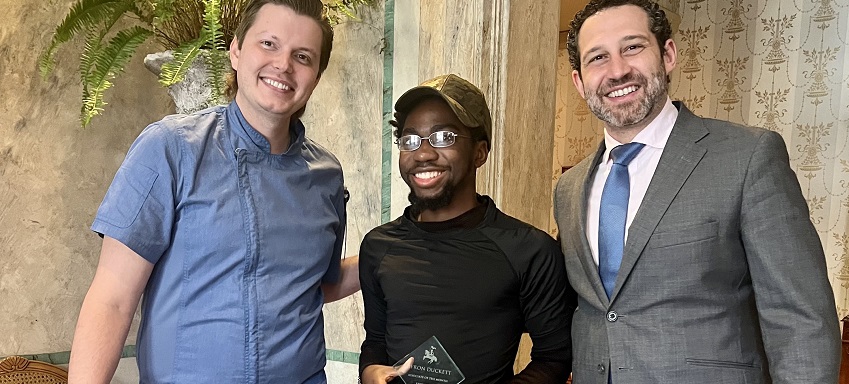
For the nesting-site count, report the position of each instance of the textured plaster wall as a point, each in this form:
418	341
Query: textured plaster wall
344	115
52	176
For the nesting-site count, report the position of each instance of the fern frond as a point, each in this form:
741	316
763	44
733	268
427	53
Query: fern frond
163	10
174	71
109	61
212	24
339	10
94	39
46	63
182	28
91	49
93	104
216	68
209	45
214	59
84	14
349	13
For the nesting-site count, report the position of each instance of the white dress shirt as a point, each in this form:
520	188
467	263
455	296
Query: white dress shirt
640	170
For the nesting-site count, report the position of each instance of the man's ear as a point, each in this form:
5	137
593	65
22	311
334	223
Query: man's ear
234	53
579	82
481	153
670	56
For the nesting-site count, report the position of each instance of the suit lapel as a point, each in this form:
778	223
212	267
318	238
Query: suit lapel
586	255
680	156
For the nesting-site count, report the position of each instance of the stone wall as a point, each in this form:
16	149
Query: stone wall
53	174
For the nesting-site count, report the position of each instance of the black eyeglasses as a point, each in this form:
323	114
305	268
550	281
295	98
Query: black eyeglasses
438	139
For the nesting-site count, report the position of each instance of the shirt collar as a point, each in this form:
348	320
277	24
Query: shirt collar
244	130
653	135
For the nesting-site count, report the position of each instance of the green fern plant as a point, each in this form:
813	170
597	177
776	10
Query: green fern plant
339	10
212	39
192	29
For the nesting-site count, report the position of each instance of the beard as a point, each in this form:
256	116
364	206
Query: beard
655	88
420	204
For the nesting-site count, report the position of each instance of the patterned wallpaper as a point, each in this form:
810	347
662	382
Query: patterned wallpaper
781	65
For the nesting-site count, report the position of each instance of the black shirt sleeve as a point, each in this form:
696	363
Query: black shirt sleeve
373	349
548	303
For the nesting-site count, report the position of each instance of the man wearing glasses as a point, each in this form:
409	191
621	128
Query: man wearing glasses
453	265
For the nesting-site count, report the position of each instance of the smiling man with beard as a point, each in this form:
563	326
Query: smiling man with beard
687	240
454	266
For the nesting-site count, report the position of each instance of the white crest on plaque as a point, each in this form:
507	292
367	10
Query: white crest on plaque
429	356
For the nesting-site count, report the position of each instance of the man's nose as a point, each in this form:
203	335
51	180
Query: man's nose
425	152
618	67
283	63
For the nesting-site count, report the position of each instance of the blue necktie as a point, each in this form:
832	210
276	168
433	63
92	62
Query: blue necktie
613	213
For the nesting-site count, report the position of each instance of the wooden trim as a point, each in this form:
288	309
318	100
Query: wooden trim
844	354
13	367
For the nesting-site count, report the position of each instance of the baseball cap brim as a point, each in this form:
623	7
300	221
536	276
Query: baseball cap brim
411	98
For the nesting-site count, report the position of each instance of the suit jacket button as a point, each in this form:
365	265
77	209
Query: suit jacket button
612	316
600	368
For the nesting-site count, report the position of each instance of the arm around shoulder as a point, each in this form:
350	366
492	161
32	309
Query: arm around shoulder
349	281
107	312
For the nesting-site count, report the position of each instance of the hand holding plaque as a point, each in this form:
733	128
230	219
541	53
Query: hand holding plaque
431	365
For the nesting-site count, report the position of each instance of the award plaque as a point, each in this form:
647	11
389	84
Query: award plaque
431	365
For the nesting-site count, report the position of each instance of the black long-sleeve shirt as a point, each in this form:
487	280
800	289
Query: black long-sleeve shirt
476	282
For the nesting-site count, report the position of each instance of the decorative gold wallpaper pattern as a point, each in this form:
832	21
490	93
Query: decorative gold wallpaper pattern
781	65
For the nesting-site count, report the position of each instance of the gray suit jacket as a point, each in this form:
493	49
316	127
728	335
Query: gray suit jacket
723	278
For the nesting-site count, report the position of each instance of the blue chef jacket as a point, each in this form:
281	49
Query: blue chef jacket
240	239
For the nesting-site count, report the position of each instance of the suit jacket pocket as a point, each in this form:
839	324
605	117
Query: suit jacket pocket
688	233
720	363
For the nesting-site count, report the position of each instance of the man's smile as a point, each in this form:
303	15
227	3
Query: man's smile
623	92
425	179
277	84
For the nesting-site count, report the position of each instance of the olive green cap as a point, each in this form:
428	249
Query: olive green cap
464	98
